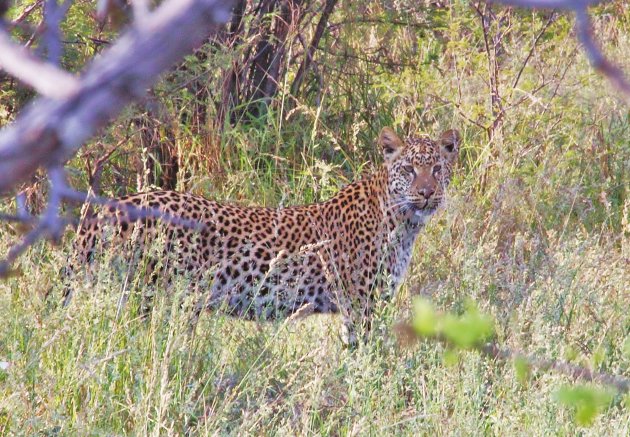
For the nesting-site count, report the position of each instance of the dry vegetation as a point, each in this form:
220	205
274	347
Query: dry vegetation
536	230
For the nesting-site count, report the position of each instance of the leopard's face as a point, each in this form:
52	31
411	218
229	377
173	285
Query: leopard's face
419	170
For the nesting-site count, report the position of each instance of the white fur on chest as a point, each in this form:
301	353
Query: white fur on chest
421	218
401	245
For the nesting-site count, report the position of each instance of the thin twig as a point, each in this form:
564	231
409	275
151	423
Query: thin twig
140	11
614	74
310	52
551	19
25	13
16	218
94	174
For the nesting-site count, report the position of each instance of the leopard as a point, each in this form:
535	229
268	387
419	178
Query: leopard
342	255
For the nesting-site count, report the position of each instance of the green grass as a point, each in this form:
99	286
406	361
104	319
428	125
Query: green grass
92	369
89	370
536	231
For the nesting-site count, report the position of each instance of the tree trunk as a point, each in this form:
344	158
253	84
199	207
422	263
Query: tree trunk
308	58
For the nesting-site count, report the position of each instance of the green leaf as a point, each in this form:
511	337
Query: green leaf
587	401
470	330
467	331
424	318
625	349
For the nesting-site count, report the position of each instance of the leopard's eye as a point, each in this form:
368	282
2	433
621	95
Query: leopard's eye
408	168
437	169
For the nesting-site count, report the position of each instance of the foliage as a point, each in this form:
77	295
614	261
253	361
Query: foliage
587	401
470	330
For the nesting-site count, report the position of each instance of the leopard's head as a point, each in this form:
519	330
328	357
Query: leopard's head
419	170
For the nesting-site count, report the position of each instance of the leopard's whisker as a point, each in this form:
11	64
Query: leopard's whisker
402	202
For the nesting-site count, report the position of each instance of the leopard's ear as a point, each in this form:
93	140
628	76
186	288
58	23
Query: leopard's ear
449	144
391	144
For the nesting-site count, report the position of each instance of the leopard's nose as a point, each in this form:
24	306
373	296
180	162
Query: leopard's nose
427	192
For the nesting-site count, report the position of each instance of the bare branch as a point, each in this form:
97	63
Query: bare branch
20	202
585	34
45	78
26	12
52	224
133	212
31	238
551	19
576	372
310	52
94	174
140	10
584	30
53	15
17	218
51	131
408	335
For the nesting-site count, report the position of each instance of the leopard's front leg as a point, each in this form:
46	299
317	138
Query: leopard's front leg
357	312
